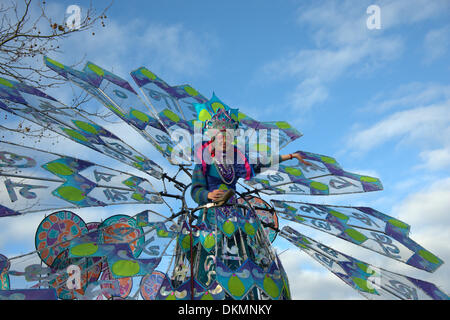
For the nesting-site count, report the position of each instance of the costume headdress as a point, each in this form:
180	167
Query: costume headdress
216	115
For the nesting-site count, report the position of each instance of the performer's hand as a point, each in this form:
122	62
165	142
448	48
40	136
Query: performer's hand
300	158
216	194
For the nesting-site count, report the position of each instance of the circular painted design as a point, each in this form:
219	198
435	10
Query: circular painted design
89	271
150	285
125	285
4	277
55	231
264	215
92	226
4	281
4	263
123	229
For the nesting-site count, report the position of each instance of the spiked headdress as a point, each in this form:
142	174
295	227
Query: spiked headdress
216	115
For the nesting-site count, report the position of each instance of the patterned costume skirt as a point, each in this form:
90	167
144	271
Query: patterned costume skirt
230	256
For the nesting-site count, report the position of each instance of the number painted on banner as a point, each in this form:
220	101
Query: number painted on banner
120	148
9	159
386	244
328	250
73	22
40	118
47	108
24	190
324	259
312	167
156	95
35	272
113	153
163	140
403	290
321	224
364	219
308	209
102	176
296	188
339	183
150	250
275	177
116	195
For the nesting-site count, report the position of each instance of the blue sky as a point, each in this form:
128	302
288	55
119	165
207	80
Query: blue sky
377	100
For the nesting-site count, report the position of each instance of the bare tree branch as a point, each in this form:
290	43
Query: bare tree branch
27	33
31	36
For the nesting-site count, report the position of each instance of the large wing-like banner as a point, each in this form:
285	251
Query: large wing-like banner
35	180
118	96
370	281
323	177
362	226
42	109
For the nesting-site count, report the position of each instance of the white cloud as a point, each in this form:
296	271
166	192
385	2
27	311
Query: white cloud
308	280
344	44
324	65
344	22
123	46
436	43
422	118
400	12
427	211
420	125
307	94
428	207
436	159
408	96
19	229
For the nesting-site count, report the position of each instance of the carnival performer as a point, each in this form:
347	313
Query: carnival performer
240	242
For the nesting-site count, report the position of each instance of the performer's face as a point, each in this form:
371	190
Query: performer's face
224	141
